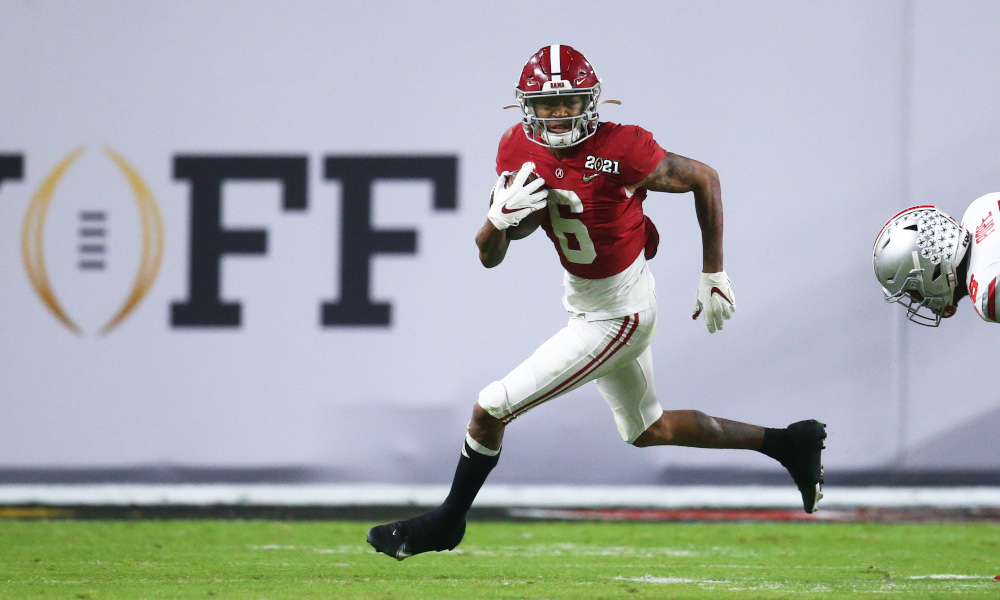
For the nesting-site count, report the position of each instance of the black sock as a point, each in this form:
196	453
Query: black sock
470	475
775	443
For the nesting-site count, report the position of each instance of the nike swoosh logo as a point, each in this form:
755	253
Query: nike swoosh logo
587	178
403	552
716	290
504	210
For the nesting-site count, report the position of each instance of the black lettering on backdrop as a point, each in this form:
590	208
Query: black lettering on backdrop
11	167
359	241
209	242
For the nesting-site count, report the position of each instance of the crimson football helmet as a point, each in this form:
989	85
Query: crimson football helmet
915	259
555	70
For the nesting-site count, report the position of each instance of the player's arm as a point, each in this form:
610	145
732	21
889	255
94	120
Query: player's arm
493	242
676	174
527	225
515	211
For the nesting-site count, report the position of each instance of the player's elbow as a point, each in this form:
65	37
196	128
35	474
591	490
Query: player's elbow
492	247
490	260
490	255
707	178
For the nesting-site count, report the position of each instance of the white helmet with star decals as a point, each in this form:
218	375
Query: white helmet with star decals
915	259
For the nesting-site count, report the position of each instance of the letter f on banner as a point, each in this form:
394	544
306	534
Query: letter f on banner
11	167
360	242
210	242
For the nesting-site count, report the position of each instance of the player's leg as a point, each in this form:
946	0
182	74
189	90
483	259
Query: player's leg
443	527
631	394
580	352
484	428
629	391
562	363
694	428
797	447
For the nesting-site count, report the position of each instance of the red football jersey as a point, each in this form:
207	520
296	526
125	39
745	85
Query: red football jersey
598	229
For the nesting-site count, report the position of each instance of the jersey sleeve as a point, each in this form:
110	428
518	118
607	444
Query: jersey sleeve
986	304
641	154
505	153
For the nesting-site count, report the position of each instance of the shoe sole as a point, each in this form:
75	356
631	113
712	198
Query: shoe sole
819	496
819	491
822	472
400	551
821	438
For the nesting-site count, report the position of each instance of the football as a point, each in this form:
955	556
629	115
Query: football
510	178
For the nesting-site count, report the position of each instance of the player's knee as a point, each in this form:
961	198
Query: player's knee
482	417
643	441
648	438
492	396
658	434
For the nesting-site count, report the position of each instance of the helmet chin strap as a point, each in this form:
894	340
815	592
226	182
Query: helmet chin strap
949	306
571	137
949	271
558	140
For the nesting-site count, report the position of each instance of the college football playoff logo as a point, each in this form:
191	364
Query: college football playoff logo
91	230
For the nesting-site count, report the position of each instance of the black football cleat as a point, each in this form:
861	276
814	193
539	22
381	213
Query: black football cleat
428	532
803	460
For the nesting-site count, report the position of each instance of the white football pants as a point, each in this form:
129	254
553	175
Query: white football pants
615	353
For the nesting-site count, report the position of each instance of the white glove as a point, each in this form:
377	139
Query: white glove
511	204
716	298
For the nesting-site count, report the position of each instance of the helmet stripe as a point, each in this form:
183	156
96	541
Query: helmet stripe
554	62
991	307
889	222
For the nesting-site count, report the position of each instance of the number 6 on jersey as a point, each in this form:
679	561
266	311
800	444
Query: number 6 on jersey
574	239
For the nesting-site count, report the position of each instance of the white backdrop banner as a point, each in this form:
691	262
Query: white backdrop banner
240	235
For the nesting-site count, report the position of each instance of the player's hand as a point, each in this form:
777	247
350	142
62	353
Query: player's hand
511	204
715	298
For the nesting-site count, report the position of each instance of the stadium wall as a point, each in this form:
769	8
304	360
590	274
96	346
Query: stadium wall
239	237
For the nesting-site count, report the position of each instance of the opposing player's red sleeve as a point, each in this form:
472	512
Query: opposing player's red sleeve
989	311
641	156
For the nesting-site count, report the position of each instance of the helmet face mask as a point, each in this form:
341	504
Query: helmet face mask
919	309
552	72
915	259
539	129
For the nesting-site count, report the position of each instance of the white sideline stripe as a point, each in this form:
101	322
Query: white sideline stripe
541	496
945	576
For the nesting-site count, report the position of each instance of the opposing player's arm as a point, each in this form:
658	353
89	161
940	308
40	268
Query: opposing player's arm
677	174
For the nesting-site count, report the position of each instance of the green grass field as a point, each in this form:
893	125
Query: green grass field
272	559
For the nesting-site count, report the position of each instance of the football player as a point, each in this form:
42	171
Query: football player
583	182
927	262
